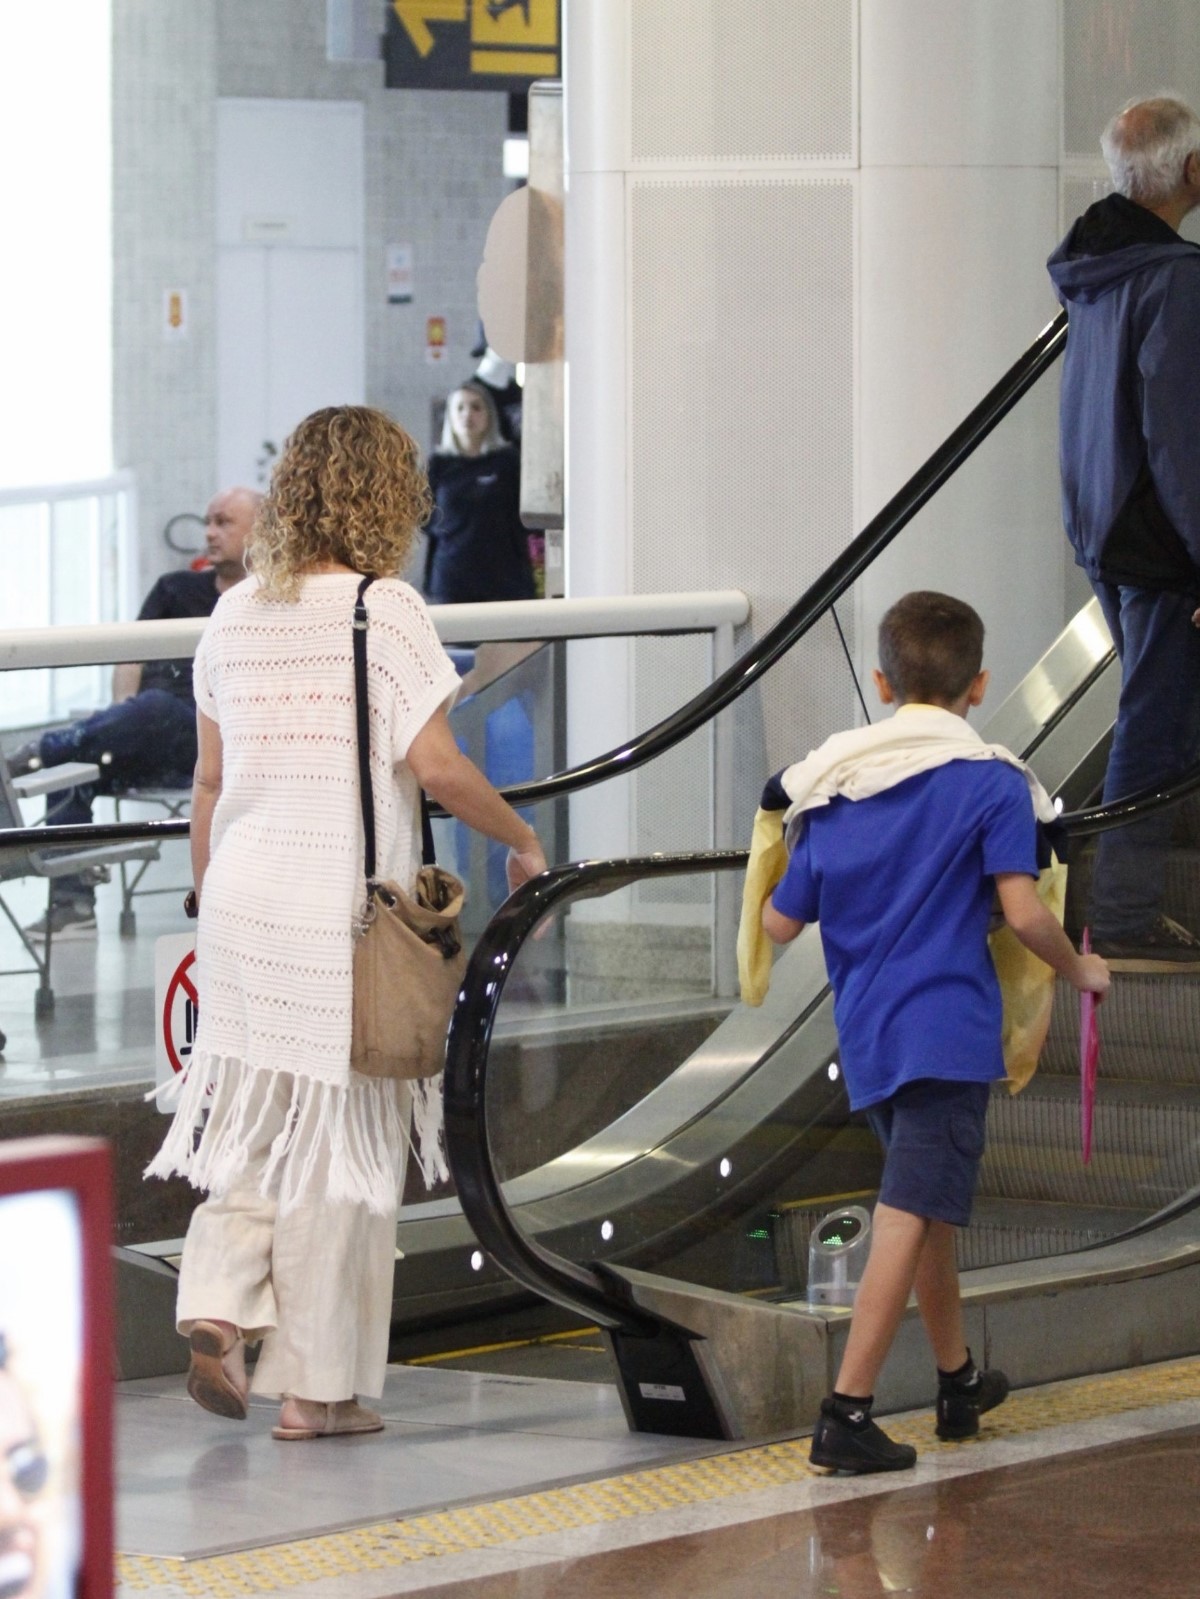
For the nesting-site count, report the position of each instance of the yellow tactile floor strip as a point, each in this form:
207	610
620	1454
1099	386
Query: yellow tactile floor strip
394	1543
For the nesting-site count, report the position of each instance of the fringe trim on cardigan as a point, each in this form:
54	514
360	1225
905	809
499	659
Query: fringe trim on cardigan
339	1142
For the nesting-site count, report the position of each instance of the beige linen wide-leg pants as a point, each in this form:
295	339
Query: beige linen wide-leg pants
314	1285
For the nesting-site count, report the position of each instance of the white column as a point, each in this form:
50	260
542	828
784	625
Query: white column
597	539
959	209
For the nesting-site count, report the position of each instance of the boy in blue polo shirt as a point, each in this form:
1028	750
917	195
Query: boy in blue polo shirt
907	830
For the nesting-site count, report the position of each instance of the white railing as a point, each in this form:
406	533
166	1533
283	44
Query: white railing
596	712
28	648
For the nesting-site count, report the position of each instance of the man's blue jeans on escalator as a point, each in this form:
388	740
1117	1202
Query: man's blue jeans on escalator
1157	736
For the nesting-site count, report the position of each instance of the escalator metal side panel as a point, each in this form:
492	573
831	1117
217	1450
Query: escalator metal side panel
1051	684
1071	758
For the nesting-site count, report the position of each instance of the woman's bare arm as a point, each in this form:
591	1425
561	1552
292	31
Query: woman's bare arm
206	791
446	774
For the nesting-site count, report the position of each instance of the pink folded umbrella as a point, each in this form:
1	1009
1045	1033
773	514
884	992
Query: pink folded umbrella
1089	1055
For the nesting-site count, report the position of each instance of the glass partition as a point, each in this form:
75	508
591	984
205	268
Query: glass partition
83	1023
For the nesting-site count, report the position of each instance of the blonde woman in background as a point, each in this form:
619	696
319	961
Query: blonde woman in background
477	546
304	1160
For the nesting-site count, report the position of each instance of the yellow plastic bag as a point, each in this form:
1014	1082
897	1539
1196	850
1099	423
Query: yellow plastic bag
1027	985
768	862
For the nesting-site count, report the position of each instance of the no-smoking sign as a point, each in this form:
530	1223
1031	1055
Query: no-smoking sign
176	1004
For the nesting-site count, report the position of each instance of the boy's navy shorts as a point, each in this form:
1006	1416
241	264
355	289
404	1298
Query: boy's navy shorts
932	1132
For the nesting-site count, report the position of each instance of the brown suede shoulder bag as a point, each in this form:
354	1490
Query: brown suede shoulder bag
408	956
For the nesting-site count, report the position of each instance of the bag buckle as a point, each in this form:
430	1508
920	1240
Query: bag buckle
445	939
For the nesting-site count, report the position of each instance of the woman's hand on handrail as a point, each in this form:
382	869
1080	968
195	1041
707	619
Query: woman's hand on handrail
522	864
447	776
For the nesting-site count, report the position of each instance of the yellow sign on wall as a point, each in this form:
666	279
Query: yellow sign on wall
472	44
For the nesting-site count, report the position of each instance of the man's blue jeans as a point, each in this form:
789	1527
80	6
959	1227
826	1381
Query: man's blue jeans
1157	736
149	738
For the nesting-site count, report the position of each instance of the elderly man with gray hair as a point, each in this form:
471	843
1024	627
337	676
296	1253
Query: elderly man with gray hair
1130	459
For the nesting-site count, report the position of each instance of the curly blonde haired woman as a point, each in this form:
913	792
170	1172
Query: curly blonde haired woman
302	1159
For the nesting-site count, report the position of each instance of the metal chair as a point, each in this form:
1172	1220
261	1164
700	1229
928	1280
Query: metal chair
20	861
176	802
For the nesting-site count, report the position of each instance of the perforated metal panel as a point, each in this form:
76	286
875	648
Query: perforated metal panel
674	793
759	80
1079	189
1115	49
742	442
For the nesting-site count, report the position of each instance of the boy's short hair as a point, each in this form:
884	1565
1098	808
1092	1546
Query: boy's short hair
930	647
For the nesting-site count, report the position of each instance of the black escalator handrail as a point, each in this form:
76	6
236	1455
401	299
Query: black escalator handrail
480	1193
1078	824
52	837
1133	807
464	1090
826	591
1105	818
759	658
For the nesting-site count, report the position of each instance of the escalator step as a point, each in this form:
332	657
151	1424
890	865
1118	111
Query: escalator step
1003	1231
1145	1145
1149	1029
1182	897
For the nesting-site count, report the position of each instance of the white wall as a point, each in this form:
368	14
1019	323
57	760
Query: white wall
804	238
55	405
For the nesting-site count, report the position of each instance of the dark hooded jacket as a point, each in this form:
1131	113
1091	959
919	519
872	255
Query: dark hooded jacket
1130	407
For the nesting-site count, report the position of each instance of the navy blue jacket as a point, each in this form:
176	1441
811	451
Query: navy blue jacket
478	548
1130	408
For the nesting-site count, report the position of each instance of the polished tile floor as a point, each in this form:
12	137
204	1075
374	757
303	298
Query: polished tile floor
192	1485
1079	1490
1098	1522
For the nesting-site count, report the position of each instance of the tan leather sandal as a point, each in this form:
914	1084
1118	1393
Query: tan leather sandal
217	1374
336	1419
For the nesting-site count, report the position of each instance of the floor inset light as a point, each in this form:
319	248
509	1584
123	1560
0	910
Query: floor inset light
832	1071
606	1230
477	1260
725	1167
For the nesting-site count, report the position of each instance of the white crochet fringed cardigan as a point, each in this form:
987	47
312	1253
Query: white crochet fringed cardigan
284	887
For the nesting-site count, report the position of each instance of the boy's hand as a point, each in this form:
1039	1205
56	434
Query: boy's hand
1091	976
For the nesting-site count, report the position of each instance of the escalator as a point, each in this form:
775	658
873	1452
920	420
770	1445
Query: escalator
725	1128
749	1141
1069	1268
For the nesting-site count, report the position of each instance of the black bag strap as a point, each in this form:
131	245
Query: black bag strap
366	792
428	858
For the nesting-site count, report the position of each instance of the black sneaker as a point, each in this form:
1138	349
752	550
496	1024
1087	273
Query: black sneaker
73	918
960	1405
857	1446
1165	946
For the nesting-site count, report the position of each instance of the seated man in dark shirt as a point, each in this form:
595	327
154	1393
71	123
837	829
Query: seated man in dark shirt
148	734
